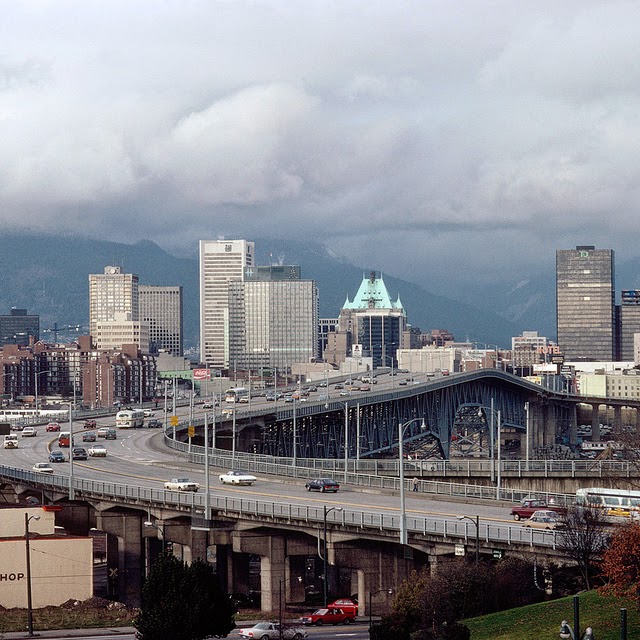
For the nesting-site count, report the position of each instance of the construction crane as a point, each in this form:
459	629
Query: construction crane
56	329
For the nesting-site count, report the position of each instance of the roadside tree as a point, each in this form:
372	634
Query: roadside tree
584	539
621	561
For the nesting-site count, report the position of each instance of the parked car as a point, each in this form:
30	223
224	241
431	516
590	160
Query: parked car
79	453
181	484
29	432
57	456
237	477
330	615
348	605
154	424
98	451
544	519
52	426
42	467
322	485
89	436
271	631
89	424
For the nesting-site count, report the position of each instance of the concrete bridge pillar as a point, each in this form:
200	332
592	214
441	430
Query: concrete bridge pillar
238	572
595	422
573	425
637	417
128	574
273	573
199	544
550	425
617	421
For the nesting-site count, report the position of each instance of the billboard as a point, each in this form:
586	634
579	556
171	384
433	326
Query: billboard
201	374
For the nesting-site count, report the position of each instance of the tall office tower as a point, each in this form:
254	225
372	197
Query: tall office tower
585	303
273	323
376	323
221	261
161	309
629	323
113	297
17	327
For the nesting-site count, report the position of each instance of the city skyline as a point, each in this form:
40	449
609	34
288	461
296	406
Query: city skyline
464	141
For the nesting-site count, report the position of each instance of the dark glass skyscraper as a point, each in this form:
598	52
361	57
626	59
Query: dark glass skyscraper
585	300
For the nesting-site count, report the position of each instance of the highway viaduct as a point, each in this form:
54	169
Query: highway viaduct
363	550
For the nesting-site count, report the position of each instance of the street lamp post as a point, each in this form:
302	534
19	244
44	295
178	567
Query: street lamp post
403	511
280	616
324	555
159	529
476	521
27	518
495	438
38	373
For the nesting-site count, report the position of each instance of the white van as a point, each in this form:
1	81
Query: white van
10	441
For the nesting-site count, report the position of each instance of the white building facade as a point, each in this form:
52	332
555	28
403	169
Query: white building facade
221	262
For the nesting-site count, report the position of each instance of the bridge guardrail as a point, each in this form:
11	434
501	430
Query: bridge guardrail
233	506
285	468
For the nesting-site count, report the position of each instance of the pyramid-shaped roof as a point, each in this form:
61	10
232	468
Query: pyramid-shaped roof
372	294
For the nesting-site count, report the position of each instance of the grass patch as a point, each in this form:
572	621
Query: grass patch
543	620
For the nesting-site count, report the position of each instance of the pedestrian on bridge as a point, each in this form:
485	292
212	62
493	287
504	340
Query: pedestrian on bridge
415	484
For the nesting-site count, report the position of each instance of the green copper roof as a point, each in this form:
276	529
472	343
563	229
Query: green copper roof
372	294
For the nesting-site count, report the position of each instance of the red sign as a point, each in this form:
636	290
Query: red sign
201	374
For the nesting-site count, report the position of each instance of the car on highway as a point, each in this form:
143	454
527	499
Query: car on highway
322	485
98	451
402	383
271	631
148	413
154	424
89	424
544	519
209	404
181	484
18	426
108	433
42	467
237	478
29	432
89	436
57	456
52	426
330	615
349	605
79	453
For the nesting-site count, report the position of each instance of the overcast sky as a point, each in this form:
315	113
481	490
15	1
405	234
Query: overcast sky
440	141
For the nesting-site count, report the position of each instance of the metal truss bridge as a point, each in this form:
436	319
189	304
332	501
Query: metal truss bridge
454	415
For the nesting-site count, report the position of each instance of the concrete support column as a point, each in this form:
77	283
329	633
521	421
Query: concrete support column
595	423
199	543
550	425
272	572
637	418
617	421
573	426
127	528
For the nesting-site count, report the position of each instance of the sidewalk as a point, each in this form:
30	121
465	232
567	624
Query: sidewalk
71	633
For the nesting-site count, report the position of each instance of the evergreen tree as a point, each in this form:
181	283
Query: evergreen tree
183	602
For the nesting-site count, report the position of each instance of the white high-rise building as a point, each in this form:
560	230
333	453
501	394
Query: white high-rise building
221	261
113	297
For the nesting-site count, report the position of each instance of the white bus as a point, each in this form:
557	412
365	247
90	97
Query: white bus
612	501
237	394
130	418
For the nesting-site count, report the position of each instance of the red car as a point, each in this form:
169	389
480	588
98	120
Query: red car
328	616
348	605
89	424
53	426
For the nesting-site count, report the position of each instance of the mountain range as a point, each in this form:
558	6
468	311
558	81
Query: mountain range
48	275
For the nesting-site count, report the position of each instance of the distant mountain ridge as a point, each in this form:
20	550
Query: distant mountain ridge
48	275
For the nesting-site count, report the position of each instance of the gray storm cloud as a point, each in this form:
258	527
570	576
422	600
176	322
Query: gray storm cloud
416	132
